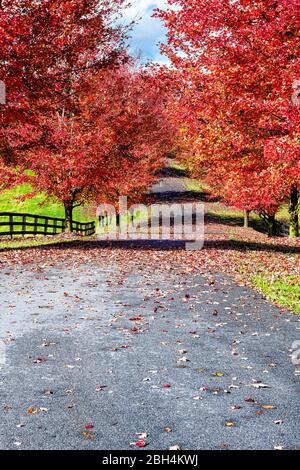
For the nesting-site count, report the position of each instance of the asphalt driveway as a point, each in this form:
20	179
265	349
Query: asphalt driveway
96	356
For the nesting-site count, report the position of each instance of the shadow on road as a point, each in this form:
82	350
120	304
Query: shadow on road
170	172
181	197
145	245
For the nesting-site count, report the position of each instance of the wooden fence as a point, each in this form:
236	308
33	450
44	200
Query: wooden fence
284	230
86	229
28	224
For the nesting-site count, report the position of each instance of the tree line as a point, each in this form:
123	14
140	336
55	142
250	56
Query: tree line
84	122
236	70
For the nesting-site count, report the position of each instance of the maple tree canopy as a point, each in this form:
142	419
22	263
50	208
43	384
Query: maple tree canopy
237	66
86	122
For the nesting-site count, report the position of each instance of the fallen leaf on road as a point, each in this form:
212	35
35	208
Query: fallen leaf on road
88	435
32	410
230	424
183	359
140	443
39	360
141	435
250	400
259	385
168	429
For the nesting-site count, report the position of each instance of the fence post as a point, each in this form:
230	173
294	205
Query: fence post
46	226
35	225
23	225
11	225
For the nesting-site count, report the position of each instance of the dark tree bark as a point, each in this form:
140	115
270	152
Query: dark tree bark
69	217
271	224
294	213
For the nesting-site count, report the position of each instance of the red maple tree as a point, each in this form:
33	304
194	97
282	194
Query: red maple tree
237	64
112	146
47	49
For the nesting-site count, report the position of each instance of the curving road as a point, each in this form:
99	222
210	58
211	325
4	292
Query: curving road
99	347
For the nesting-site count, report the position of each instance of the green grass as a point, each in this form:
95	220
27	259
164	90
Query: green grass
229	213
284	291
177	166
37	205
9	203
283	214
193	185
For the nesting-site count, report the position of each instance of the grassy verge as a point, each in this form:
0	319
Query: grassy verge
38	205
283	214
193	185
9	202
225	212
283	291
177	166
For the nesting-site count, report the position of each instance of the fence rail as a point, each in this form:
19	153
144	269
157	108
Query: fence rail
86	229
12	223
284	230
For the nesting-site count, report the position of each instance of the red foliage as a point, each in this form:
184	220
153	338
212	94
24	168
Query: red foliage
89	126
47	49
238	65
113	146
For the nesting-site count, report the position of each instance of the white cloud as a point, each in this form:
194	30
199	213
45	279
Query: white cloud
149	31
141	7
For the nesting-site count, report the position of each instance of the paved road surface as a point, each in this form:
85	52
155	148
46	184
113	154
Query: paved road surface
89	345
94	351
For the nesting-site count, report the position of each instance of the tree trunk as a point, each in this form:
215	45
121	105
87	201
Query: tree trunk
294	213
246	219
69	217
272	226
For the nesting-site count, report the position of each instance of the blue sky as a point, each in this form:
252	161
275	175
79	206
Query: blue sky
148	32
